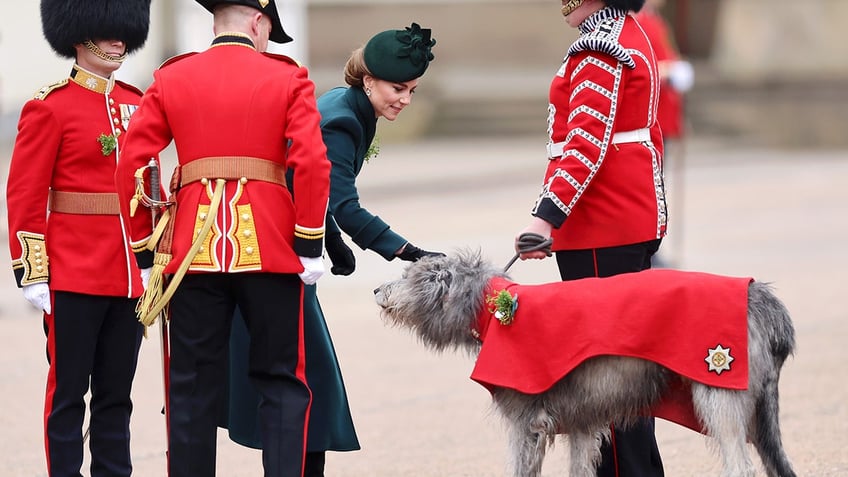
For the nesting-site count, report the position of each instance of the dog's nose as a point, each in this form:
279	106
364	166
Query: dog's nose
377	290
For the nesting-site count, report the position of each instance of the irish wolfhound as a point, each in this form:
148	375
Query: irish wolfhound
552	370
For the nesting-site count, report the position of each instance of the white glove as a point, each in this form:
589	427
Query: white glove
313	268
145	276
39	295
681	76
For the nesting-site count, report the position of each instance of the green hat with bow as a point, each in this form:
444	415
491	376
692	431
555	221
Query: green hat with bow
399	55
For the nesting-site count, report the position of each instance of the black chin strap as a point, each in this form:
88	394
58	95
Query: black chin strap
530	242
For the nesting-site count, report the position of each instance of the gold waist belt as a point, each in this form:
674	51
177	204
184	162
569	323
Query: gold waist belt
84	203
232	168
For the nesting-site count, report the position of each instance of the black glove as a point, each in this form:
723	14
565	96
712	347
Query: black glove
340	255
411	253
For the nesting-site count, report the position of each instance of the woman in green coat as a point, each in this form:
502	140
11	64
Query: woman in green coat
382	77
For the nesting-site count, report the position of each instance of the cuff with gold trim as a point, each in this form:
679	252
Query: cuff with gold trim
140	245
308	242
32	267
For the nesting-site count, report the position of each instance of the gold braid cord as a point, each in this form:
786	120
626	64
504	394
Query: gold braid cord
160	229
90	46
154	299
569	7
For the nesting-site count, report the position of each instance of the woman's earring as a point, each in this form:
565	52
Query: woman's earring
367	91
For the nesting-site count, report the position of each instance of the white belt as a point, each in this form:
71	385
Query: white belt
637	135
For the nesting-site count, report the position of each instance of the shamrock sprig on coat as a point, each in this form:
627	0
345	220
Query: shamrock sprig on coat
373	149
108	143
503	306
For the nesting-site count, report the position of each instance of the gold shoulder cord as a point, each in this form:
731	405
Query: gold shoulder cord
43	92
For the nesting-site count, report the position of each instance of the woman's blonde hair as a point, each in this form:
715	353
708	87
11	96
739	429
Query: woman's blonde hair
355	69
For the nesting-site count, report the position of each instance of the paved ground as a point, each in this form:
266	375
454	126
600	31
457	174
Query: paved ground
776	215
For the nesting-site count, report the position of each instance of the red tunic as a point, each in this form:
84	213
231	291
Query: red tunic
673	318
231	100
670	109
611	192
57	148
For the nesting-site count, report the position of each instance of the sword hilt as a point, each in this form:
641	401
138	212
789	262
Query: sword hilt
155	181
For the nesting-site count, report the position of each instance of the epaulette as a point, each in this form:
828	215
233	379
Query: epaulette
43	92
604	38
130	87
285	58
174	59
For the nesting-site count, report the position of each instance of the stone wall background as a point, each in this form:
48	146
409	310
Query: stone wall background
767	71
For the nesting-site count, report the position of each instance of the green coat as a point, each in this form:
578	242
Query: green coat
330	423
348	126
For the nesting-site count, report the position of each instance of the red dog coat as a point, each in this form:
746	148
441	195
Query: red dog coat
692	323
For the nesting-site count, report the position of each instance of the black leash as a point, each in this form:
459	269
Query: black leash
530	242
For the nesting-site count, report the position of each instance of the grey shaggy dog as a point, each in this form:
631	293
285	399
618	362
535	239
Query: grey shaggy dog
439	298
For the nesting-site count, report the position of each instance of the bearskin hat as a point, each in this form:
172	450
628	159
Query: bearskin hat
629	5
66	23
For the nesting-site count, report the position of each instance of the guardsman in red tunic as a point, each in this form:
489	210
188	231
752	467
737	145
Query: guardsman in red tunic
234	235
603	198
69	245
675	73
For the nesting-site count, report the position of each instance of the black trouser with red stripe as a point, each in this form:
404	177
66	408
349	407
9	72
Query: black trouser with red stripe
632	452
91	341
201	317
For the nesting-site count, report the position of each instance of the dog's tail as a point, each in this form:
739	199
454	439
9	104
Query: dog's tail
774	322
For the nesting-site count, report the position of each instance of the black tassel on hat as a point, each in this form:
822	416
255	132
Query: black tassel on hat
66	23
